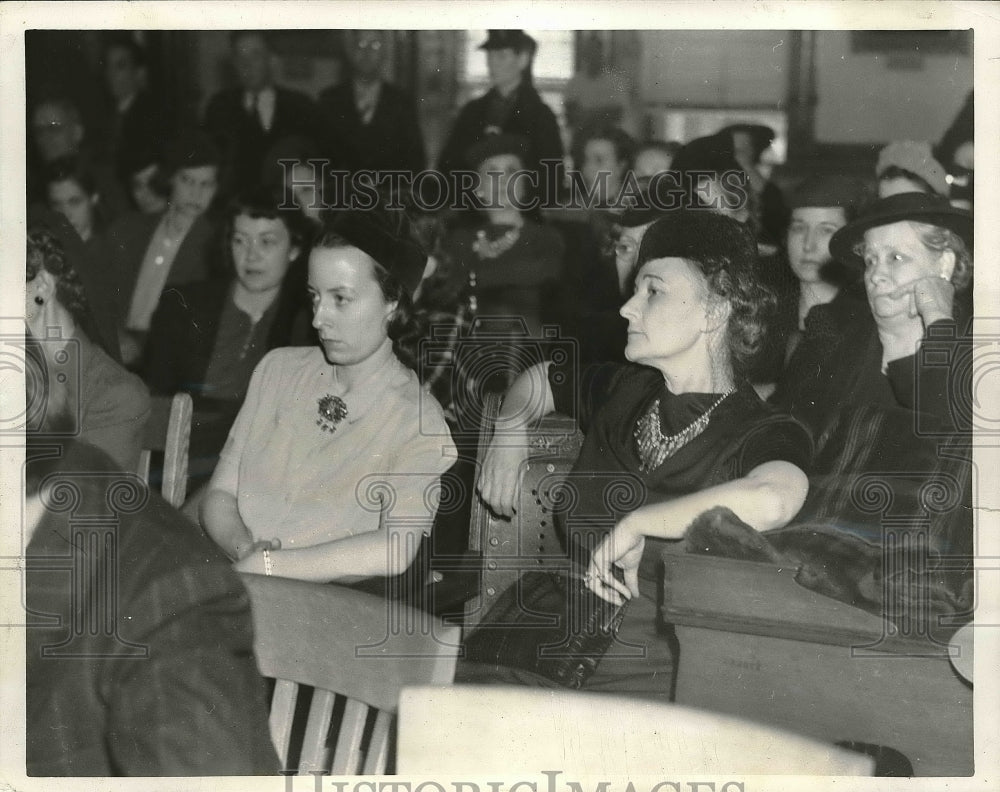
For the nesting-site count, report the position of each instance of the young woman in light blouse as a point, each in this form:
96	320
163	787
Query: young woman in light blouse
331	469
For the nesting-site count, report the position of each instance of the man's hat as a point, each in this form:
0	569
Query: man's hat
386	238
516	40
916	157
923	208
493	145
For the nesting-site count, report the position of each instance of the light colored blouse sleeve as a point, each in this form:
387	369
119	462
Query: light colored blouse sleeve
257	404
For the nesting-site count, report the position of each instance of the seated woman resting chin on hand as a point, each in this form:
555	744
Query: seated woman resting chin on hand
679	425
332	467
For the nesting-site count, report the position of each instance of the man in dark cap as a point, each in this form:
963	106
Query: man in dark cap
152	251
512	105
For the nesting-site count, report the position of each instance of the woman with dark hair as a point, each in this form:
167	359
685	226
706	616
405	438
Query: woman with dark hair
603	155
678	426
331	466
71	190
206	338
108	405
814	289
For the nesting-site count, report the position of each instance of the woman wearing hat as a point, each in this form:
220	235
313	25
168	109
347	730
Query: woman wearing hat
915	253
109	405
506	262
679	429
330	467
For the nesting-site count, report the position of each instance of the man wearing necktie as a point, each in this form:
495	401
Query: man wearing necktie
371	124
246	122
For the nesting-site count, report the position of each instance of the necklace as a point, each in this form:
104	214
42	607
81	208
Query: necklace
655	447
487	248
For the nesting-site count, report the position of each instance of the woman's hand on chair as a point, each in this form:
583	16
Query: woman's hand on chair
621	549
499	483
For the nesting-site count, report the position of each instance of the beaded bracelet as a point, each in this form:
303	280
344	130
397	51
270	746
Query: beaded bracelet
268	569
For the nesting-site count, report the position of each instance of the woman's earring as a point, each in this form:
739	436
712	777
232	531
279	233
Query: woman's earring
39	300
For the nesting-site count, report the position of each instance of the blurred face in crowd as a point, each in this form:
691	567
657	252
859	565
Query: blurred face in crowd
743	150
366	54
626	251
668	315
349	310
506	67
192	190
71	201
649	162
600	157
252	60
262	252
304	189
808	240
895	256
123	74
713	194
57	131
496	187
145	194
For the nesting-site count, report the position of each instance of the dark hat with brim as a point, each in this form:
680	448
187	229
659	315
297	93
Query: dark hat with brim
920	207
386	238
711	153
516	40
761	137
493	145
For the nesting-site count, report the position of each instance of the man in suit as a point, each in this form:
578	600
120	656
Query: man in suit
246	121
150	252
512	106
137	124
371	124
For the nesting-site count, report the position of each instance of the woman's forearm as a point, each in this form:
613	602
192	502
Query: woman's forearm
373	554
220	517
768	497
528	399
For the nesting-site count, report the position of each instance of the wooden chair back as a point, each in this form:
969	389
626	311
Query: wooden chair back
529	540
169	430
339	658
514	729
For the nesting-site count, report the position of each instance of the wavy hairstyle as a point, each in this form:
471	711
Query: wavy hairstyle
45	252
725	253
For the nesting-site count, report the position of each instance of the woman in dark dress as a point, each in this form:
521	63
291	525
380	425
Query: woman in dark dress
679	428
